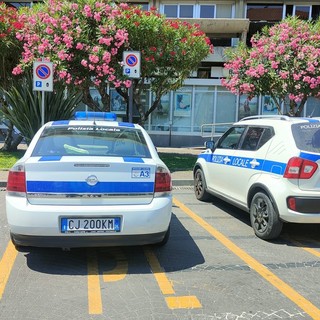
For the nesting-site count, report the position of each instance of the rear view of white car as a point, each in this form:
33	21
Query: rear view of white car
268	166
91	181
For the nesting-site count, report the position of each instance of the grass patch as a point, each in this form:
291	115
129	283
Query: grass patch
174	161
178	162
9	158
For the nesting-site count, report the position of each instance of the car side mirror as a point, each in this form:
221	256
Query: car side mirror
209	144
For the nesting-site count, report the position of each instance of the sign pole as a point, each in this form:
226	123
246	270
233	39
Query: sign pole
130	104
42	108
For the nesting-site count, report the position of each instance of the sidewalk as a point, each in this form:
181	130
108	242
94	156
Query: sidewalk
179	178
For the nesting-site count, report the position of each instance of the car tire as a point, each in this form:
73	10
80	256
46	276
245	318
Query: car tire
200	186
264	218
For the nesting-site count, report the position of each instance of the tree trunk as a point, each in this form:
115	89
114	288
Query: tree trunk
301	107
9	138
15	143
105	98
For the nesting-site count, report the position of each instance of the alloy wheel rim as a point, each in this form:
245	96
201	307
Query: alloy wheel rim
261	216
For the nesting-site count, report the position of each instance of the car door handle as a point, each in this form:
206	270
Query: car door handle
254	163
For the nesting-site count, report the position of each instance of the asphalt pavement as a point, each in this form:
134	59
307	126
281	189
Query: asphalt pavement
179	178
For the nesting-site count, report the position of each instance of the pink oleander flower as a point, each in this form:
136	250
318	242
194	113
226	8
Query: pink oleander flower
93	58
111	77
87	11
17	70
97	16
127	83
106	57
117	83
79	46
84	63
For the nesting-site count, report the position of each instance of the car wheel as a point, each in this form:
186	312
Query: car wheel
200	186
165	239
264	219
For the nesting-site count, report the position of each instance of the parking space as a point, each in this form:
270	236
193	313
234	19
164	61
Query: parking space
213	267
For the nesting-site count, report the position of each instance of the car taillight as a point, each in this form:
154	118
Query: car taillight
17	180
291	202
298	168
163	180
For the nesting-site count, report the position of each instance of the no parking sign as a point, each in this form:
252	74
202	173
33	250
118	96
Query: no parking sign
42	76
132	61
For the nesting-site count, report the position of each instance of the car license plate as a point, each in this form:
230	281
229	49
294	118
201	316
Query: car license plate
86	225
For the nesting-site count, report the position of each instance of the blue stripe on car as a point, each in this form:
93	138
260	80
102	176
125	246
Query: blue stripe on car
83	187
50	158
274	167
245	163
133	159
125	124
60	122
311	120
309	156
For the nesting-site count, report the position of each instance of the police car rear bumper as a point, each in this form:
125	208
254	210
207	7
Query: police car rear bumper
86	241
304	204
301	210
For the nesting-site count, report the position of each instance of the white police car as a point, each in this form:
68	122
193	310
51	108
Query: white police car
89	182
268	166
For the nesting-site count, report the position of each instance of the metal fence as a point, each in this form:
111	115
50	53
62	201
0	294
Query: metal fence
214	130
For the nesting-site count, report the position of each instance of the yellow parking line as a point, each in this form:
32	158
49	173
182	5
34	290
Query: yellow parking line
184	302
288	291
173	302
163	282
6	264
94	291
302	246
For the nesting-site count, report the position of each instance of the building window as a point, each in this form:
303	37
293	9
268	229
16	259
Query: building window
315	12
303	12
207	11
264	12
182	109
17	5
178	11
204	107
160	118
188	10
170	10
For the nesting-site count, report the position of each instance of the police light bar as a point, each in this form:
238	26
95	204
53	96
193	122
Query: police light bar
91	115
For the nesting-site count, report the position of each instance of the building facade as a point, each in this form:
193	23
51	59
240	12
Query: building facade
205	101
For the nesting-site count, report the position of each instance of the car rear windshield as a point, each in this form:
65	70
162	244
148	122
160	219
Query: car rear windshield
91	141
307	136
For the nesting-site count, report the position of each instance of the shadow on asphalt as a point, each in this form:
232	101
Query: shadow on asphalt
178	254
308	234
231	210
